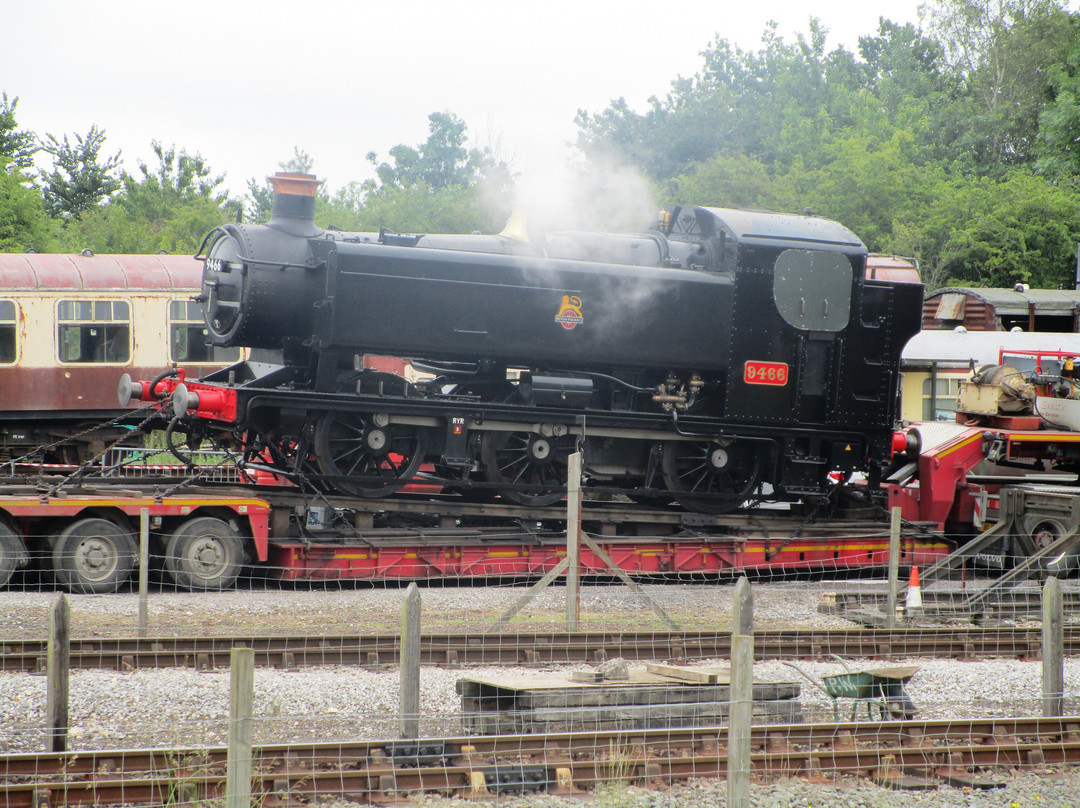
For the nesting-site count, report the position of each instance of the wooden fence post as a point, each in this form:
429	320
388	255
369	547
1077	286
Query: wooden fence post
1053	649
894	568
409	656
741	708
58	666
573	541
241	710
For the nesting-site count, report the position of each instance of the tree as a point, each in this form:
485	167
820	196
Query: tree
17	147
1058	143
24	225
178	201
438	186
1000	54
442	161
726	181
178	178
78	180
994	232
780	105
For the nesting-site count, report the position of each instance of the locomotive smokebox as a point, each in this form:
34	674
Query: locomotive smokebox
260	282
293	211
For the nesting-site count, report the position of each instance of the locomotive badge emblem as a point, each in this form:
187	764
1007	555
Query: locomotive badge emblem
569	315
768	373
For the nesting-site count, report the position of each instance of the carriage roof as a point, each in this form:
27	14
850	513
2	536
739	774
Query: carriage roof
89	272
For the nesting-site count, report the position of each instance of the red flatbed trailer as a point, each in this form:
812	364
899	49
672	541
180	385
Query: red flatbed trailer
204	538
403	560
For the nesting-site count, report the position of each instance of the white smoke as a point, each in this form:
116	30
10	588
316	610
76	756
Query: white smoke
599	196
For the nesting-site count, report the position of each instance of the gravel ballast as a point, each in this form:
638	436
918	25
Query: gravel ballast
183	707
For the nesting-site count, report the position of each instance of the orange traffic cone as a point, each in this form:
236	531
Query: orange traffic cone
914	591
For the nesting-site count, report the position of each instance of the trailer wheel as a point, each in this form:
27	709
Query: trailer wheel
93	556
12	553
203	554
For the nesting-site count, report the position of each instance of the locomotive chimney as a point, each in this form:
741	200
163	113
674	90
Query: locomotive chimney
294	203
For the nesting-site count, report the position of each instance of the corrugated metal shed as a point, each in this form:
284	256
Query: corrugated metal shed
980	309
28	271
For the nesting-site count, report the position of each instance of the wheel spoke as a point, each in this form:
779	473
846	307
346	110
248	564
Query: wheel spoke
524	473
710	477
344	453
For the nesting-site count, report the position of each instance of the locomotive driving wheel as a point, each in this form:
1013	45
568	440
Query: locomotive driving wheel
367	458
528	468
708	477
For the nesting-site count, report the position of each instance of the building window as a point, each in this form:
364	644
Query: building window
91	331
9	333
942	406
188	343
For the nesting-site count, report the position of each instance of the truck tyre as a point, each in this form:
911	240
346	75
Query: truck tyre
204	554
94	556
12	553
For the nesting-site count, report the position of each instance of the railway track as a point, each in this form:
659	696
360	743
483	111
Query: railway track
567	763
206	653
1014	603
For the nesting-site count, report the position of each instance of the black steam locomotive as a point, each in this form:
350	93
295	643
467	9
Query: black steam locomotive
719	351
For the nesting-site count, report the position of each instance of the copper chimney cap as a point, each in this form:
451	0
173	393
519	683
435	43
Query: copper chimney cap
294	184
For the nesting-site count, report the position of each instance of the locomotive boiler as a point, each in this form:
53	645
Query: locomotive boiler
718	356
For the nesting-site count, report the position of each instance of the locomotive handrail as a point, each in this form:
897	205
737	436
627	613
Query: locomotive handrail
225	231
199	254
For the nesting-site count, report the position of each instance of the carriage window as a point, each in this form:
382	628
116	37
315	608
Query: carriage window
9	347
188	338
90	331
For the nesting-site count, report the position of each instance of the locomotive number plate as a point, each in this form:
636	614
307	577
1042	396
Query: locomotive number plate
771	373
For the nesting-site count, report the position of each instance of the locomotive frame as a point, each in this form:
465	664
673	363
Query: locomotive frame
720	352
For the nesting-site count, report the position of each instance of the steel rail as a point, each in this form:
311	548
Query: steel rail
206	653
1015	603
380	771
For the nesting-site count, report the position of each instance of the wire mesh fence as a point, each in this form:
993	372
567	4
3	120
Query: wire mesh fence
623	703
319	707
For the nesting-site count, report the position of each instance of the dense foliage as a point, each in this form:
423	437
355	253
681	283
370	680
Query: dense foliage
955	144
954	141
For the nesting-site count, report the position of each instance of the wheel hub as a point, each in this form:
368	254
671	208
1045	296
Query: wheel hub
94	557
539	449
207	553
719	458
375	441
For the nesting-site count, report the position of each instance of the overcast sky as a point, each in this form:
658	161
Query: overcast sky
242	83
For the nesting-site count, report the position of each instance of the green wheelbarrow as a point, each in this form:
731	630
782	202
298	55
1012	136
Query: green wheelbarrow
880	688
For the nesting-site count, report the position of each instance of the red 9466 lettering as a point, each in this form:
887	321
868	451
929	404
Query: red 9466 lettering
769	373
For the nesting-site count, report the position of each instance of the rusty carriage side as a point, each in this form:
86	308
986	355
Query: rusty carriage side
70	325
